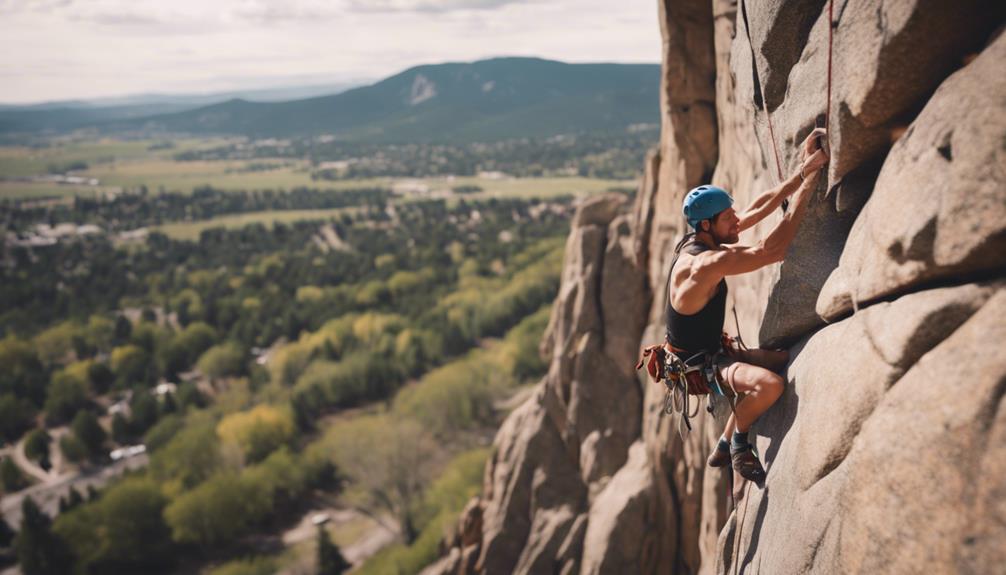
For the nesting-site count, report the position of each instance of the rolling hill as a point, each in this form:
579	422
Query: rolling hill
492	99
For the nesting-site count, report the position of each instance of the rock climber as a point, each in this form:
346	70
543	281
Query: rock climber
697	293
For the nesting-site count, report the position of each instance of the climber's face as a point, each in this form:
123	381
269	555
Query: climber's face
725	227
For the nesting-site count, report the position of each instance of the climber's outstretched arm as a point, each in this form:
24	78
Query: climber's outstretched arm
767	202
778	240
711	266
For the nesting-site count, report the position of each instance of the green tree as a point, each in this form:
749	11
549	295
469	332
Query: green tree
330	559
131	365
100	332
257	432
191	456
390	461
136	535
100	377
224	360
73	499
160	434
73	448
121	431
39	551
6	534
123	532
123	329
23	374
190	396
86	428
36	445
218	511
67	394
10	476
145	412
16	417
55	345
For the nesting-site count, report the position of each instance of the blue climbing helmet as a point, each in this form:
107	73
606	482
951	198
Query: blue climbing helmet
705	202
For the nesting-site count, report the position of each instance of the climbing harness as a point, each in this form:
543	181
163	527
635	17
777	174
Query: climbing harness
686	376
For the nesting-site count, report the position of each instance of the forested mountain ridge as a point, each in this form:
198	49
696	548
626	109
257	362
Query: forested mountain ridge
487	100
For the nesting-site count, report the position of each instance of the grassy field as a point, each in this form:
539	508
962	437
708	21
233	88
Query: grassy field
38	190
191	230
122	165
530	187
21	161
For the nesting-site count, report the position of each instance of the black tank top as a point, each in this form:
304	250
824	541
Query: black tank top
700	331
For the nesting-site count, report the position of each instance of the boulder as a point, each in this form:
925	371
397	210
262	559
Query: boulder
620	535
923	502
838	381
939	208
530	485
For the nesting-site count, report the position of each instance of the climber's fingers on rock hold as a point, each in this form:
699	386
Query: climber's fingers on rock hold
810	143
815	162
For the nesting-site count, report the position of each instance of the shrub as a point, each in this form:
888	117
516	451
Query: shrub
218	511
224	360
162	433
257	432
36	445
122	532
16	417
89	432
11	478
67	394
191	456
454	397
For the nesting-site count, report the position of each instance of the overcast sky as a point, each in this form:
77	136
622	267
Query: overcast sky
69	49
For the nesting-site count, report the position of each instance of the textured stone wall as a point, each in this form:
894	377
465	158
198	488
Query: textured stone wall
885	453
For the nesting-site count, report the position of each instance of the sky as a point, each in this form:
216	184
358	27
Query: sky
79	49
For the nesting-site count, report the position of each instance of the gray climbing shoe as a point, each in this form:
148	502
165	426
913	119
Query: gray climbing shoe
746	463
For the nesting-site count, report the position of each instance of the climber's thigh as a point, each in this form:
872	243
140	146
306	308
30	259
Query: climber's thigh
746	378
770	359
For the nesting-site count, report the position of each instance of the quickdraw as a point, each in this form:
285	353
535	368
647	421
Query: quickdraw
684	377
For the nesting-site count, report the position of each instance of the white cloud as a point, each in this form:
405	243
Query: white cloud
435	6
114	47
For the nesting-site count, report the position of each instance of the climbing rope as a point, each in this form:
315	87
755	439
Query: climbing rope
763	103
739	525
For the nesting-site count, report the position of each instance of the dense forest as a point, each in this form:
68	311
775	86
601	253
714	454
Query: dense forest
227	357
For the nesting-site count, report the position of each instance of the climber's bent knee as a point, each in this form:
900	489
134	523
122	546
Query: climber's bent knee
752	379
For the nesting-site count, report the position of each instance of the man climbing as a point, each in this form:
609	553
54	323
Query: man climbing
697	293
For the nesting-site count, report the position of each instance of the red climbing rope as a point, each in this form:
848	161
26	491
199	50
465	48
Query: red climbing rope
768	114
827	110
775	149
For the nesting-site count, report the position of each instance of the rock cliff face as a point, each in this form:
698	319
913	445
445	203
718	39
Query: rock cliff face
886	452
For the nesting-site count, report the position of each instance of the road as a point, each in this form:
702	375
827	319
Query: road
47	494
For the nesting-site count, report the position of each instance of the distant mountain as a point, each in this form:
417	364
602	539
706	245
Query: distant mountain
490	99
487	100
72	114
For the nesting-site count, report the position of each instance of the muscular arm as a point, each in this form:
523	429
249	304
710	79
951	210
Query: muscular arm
766	203
710	267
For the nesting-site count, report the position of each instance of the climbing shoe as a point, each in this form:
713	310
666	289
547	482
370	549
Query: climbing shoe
720	457
746	463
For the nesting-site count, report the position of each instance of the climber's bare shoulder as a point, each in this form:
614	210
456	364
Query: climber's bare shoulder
696	277
694	284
